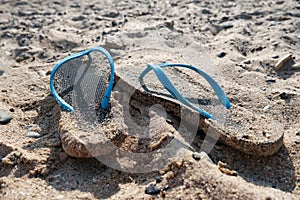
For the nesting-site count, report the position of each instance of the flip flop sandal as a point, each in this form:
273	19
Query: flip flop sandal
82	84
97	123
237	127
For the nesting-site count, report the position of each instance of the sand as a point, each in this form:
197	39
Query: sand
243	43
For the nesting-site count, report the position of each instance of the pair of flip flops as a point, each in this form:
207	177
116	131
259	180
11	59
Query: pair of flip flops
109	107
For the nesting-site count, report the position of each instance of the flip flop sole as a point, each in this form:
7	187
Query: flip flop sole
240	128
84	142
123	129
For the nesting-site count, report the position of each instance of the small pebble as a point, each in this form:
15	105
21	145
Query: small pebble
266	108
202	155
57	135
227	25
169	24
49	114
32	134
206	12
296	66
298	133
83	196
285	59
275	56
221	54
144	179
1	72
4	117
17	154
163	194
112	14
114	23
285	96
27	127
169	121
152	190
271	81
258	23
272	23
60	197
48	73
158	179
247	62
167	187
140	142
78	18
41	73
196	156
114	42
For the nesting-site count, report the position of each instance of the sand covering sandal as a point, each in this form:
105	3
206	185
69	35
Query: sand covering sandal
82	84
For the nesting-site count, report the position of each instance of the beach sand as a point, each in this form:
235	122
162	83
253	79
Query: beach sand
244	40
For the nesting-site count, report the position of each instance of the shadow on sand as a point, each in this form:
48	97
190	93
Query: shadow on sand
89	175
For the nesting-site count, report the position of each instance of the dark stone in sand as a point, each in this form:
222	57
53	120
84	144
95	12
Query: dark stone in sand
112	14
169	121
243	16
196	156
152	190
79	18
258	23
1	72
271	81
206	12
247	62
140	142
4	117
285	96
221	54
158	179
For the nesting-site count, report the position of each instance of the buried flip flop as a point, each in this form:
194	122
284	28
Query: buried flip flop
82	84
168	85
237	127
91	128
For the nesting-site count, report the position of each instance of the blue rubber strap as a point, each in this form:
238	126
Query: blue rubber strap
216	87
163	78
105	99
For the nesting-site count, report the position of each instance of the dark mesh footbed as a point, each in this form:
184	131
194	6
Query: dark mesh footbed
82	83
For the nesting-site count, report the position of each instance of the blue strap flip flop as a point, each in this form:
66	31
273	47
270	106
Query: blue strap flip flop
184	94
84	70
162	76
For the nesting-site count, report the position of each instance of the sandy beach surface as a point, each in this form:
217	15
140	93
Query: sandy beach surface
250	47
